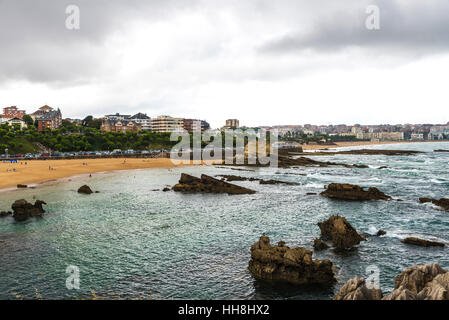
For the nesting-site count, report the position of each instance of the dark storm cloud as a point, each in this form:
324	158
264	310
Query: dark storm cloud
406	27
36	45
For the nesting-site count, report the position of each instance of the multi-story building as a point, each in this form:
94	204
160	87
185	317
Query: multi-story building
382	136
232	123
167	124
49	120
40	112
117	116
17	122
195	125
142	120
120	126
12	112
417	136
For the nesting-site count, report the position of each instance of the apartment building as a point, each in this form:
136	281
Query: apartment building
195	125
12	112
166	124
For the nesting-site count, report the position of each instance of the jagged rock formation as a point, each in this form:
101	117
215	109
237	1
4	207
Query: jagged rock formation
422	242
340	231
22	209
294	265
356	289
443	202
319	244
85	190
353	192
207	184
422	282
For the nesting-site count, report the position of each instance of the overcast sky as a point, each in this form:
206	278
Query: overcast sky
264	62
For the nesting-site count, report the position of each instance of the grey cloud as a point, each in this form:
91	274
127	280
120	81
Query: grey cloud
411	28
36	46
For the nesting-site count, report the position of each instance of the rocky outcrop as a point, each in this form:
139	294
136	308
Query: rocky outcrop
22	186
422	242
5	214
356	289
368	152
443	202
294	265
422	282
381	233
207	184
340	231
440	150
22	209
166	189
228	177
319	244
353	192
85	190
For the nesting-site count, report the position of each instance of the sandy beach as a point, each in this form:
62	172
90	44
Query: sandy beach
39	171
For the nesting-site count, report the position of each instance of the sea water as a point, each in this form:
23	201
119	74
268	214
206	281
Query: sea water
130	241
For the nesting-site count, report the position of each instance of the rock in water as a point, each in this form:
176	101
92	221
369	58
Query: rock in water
85	190
207	184
443	202
340	231
381	233
22	209
356	289
353	192
294	265
422	242
5	213
319	244
421	282
22	186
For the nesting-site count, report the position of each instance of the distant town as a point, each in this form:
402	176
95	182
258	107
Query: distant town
49	118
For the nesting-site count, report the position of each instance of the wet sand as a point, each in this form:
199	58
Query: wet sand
40	171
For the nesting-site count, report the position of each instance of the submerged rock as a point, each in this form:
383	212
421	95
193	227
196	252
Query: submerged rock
22	209
340	231
422	242
319	244
353	192
381	233
294	265
166	189
443	202
356	289
207	184
85	190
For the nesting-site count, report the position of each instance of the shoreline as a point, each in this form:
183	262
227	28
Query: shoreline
346	144
40	172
